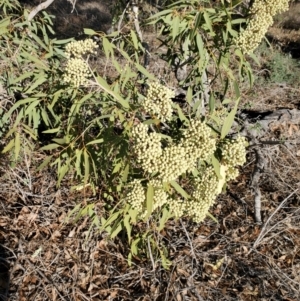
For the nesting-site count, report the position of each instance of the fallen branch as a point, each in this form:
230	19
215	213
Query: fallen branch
259	166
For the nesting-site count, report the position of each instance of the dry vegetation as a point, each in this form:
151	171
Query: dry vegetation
235	259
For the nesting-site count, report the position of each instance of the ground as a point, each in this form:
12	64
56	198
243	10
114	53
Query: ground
46	258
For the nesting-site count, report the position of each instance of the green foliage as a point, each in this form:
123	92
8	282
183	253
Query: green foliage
86	130
279	67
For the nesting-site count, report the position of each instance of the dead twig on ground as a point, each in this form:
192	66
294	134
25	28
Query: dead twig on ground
263	231
259	166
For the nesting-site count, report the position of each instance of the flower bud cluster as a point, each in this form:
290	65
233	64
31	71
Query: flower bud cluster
263	12
203	196
233	154
176	159
77	70
198	141
136	195
158	101
78	48
147	147
177	207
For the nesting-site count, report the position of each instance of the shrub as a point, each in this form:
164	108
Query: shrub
153	159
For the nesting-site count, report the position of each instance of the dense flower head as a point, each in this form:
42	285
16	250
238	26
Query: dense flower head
263	12
233	154
76	72
168	163
173	163
197	140
136	195
158	101
79	48
175	159
203	197
147	147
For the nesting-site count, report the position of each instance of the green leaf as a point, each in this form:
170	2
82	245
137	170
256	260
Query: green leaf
103	84
145	72
237	90
45	163
115	231
9	146
86	166
89	31
181	115
17	145
21	77
34	59
179	189
200	45
216	165
78	153
208	23
212	217
15	106
125	173
50	146
111	219
133	214
29	109
51	131
39	41
162	13
134	40
59	42
189	95
175	27
107	46
37	83
229	121
97	141
211	103
133	247
127	225
61	173
149	201
164	218
222	179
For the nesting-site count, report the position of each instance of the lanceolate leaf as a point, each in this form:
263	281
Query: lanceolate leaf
229	121
179	189
149	200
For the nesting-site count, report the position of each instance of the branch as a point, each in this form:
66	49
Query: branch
38	8
135	10
259	166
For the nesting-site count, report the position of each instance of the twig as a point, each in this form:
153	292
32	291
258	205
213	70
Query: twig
135	10
38	8
190	242
169	283
263	230
47	279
